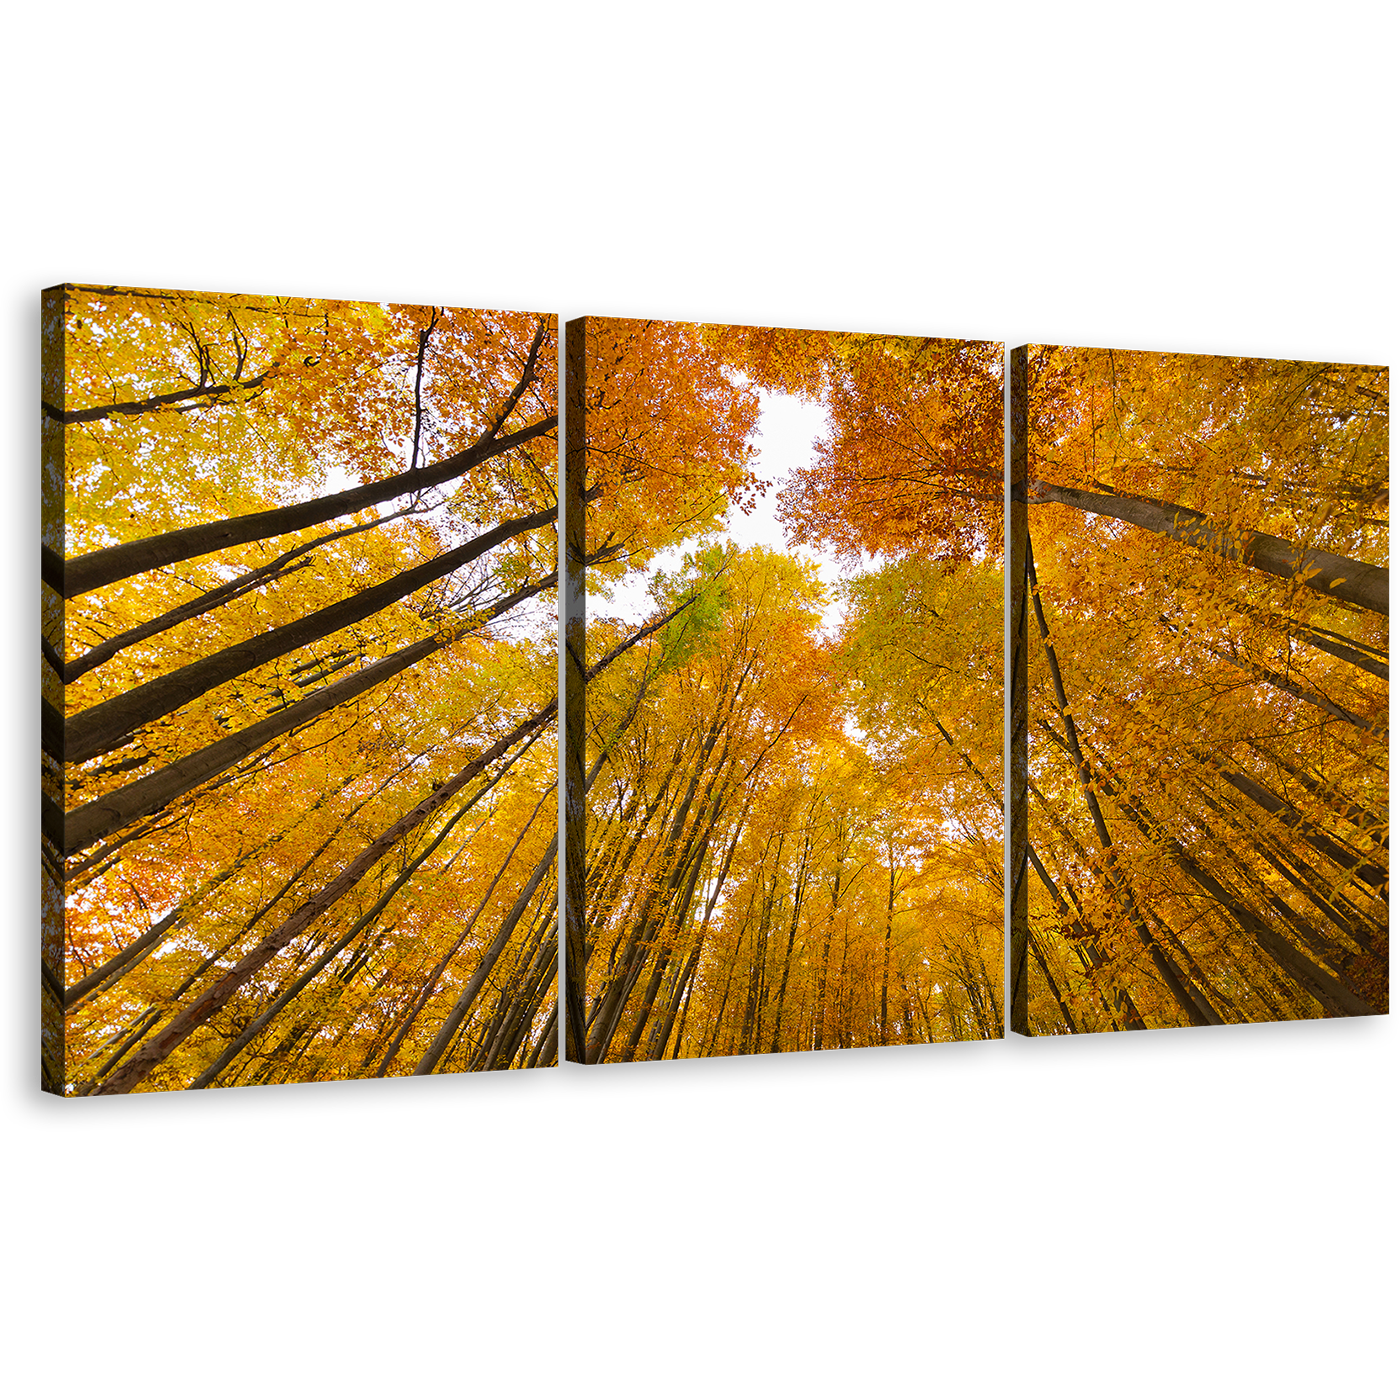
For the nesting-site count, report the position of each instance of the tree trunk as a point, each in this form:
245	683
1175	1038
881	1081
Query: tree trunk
103	815
274	571
110	724
1285	686
687	982
1050	982
88	571
1266	843
677	920
731	964
430	985
1332	575
674	856
135	952
1076	932
824	967
1334	997
1375	827
608	882
1326	989
798	894
483	969
680	993
685	1012
648	1003
534	971
573	600
546	1052
1016	814
1292	818
885	971
1171	978
1354	653
1340	961
749	1035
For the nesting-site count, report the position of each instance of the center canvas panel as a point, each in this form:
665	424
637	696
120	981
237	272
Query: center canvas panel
783	681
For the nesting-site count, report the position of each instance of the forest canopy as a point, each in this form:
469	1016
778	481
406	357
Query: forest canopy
300	690
299	680
789	832
1200	692
1202	664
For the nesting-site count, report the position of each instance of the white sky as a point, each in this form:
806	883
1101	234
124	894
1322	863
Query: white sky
787	427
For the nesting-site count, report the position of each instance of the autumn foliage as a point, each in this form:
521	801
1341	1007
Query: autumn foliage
1205	628
1199	666
300	691
791	831
299	677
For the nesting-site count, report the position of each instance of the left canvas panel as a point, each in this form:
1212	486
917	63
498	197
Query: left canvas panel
299	690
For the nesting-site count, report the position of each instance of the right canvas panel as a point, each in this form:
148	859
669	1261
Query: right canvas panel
1198	690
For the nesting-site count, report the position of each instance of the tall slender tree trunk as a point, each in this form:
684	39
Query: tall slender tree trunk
754	1000
1289	816
606	893
102	816
525	994
1170	976
731	964
546	1050
463	1005
798	894
1340	912
1354	653
676	920
1065	1013
299	984
674	857
885	969
686	982
161	1045
1374	826
1330	993
680	995
1083	939
823	967
1285	686
110	724
430	984
685	1012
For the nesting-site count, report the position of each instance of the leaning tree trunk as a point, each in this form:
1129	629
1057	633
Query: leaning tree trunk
1332	575
103	815
110	724
463	1004
73	577
1190	1007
